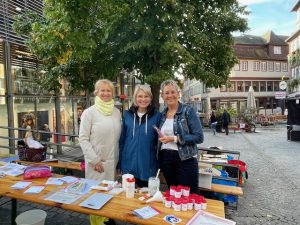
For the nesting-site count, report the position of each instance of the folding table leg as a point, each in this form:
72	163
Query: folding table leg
13	211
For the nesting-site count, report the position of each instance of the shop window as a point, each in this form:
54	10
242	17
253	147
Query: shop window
269	85
247	85
276	86
262	86
255	85
239	85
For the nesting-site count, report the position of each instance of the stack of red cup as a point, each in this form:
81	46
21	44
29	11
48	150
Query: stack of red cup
180	199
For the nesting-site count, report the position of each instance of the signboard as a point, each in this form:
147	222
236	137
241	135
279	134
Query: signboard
282	85
280	95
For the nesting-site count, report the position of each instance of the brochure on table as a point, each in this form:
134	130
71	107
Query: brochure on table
12	169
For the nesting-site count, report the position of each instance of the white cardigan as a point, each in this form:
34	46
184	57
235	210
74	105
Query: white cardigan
99	140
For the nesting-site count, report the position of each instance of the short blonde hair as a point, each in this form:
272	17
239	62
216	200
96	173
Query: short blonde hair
103	81
145	88
169	82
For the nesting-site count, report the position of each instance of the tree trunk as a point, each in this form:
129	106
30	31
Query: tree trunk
155	88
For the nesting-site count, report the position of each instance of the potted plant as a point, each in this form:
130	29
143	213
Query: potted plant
248	117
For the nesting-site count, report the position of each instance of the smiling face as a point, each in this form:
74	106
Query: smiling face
170	95
105	92
142	100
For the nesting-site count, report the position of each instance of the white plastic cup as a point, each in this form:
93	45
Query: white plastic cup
32	217
130	187
124	180
153	185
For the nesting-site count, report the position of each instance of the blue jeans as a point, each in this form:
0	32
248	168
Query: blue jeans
213	127
177	172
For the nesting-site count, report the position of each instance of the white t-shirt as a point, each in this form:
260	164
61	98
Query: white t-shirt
167	130
140	116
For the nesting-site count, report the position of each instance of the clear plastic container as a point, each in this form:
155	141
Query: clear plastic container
130	187
153	185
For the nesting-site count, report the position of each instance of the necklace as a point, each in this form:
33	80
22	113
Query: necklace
171	113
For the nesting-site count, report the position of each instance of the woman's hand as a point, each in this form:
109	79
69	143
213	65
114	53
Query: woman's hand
166	139
99	167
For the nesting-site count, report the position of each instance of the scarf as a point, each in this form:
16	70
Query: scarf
106	108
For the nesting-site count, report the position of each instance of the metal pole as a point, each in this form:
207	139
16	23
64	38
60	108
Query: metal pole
58	123
9	96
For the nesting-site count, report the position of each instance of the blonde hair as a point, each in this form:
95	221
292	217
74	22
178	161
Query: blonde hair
145	88
169	82
103	81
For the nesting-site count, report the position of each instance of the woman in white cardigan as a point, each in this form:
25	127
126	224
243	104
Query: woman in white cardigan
99	135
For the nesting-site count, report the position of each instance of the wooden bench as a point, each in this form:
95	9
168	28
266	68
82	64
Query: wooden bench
225	189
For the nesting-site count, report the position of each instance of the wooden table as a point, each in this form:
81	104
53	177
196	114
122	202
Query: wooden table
119	207
56	164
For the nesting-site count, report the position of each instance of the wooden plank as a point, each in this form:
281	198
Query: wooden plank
119	208
57	164
225	189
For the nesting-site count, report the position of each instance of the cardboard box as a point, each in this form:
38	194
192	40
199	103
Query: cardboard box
205	175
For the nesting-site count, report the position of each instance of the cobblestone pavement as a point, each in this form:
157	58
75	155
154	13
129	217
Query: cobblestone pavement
271	194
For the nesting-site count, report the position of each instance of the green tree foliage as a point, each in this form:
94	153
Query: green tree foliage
96	38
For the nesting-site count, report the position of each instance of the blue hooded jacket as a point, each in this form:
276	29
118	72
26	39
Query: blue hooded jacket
138	143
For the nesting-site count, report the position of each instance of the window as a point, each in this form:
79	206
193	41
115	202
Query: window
244	65
247	85
256	66
276	85
277	67
264	66
271	66
255	85
284	67
239	86
223	88
231	86
262	86
237	67
277	50
269	85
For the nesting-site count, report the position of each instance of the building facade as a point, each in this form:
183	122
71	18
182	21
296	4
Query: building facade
294	53
262	65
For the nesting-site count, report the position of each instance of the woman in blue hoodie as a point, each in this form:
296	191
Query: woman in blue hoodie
138	141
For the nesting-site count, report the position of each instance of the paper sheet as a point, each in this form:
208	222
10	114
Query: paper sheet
34	190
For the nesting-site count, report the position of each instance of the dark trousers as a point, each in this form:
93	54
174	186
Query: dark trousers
225	126
177	172
141	183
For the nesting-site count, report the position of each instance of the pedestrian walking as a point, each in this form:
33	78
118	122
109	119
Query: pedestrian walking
225	121
99	135
213	122
138	141
182	132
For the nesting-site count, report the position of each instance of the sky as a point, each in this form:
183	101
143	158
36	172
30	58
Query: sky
266	15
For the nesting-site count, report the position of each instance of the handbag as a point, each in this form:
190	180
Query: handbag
32	154
37	171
